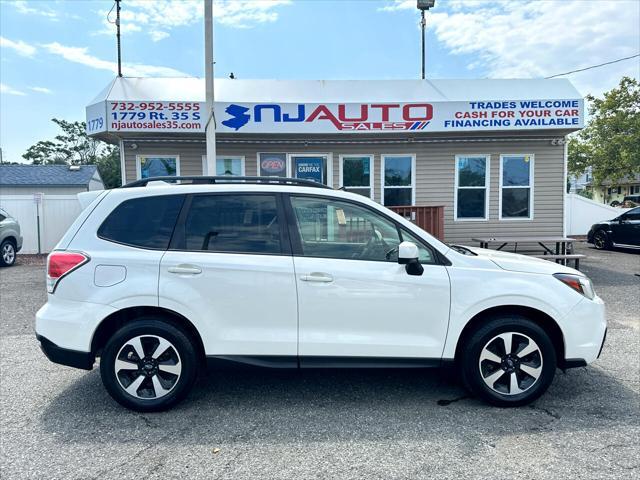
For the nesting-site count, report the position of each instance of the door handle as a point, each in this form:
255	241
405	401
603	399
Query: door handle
317	277
185	269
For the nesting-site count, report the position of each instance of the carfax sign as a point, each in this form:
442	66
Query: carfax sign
330	118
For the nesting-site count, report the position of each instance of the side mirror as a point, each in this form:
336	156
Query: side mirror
408	255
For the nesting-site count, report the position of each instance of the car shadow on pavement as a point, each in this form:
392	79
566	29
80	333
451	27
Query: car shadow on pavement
276	406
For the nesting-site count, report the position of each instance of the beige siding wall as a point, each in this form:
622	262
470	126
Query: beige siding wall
435	176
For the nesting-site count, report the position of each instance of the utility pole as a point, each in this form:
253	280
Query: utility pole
422	6
423	24
210	128
118	37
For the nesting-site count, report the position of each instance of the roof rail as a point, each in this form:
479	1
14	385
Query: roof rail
225	179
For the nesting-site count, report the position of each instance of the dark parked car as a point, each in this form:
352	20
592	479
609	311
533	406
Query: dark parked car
622	231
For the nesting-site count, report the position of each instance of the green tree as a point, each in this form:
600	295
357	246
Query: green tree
74	147
610	143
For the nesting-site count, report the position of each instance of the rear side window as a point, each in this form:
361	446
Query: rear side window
233	223
143	222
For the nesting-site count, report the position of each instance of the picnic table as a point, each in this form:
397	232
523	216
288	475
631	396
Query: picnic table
561	253
562	244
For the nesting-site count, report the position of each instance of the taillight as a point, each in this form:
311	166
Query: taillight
60	264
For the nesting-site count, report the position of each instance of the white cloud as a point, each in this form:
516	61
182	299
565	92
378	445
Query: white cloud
158	35
537	39
159	17
20	47
80	55
7	90
41	90
23	7
399	5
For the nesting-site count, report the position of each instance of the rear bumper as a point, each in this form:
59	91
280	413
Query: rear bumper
69	324
64	356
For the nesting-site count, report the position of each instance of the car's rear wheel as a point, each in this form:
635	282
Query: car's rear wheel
7	253
149	365
600	240
509	361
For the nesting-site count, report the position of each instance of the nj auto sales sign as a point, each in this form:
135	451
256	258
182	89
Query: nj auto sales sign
331	118
400	117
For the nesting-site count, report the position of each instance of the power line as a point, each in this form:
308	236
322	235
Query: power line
595	66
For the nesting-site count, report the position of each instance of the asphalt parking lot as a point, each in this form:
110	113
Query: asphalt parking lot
57	422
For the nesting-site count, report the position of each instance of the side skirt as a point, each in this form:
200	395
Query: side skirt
274	361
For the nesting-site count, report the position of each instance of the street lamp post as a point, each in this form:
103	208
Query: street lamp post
424	5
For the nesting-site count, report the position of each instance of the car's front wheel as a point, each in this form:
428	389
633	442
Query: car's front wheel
600	240
509	361
7	253
149	365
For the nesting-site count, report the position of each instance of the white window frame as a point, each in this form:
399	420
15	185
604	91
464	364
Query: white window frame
413	175
370	156
286	161
531	187
139	163
329	156
487	184
232	157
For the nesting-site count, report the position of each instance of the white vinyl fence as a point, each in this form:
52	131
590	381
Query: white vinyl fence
580	213
43	218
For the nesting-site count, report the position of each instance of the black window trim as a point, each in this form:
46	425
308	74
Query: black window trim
140	247
178	239
296	241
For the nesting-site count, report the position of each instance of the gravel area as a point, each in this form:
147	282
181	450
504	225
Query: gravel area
57	422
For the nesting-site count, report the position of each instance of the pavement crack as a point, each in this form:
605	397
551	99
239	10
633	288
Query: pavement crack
552	414
445	402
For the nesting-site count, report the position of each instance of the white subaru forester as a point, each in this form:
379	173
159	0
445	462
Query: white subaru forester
159	279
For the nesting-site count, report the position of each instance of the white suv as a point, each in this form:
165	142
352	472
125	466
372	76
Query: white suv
159	279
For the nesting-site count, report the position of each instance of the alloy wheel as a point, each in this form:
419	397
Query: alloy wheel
148	367
8	253
599	240
510	363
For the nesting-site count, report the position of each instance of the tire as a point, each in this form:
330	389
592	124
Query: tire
601	240
7	253
154	384
483	358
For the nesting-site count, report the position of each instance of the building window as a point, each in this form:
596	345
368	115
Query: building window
157	166
312	166
472	187
398	180
232	166
272	164
356	174
516	187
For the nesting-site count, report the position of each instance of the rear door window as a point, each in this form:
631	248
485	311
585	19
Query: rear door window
146	222
234	223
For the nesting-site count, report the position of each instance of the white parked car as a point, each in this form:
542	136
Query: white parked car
159	280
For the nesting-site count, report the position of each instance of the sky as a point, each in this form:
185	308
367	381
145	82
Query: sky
57	55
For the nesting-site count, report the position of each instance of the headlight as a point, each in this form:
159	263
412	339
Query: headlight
579	283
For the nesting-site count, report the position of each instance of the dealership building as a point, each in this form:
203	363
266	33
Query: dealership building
491	153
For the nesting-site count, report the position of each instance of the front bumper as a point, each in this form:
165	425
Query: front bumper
584	332
64	356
